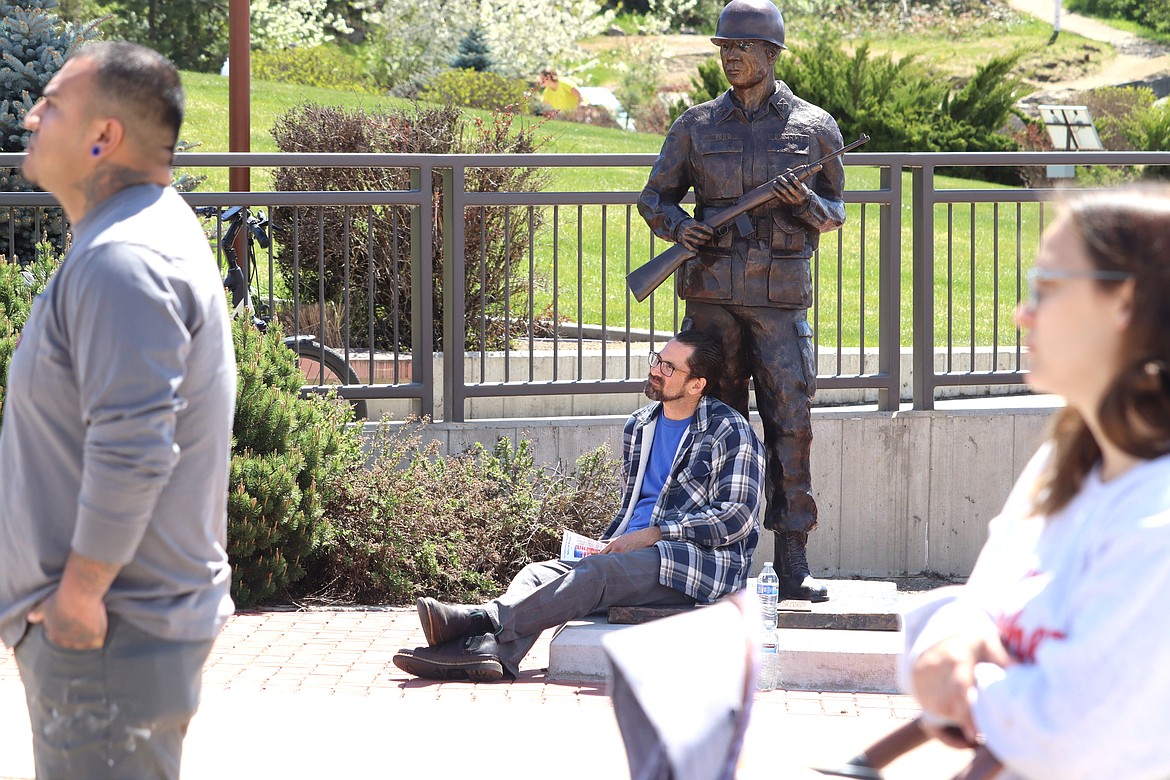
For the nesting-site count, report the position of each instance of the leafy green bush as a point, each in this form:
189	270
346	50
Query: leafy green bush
290	456
457	528
496	272
1112	109
474	89
1148	129
640	67
319	66
1154	14
1129	118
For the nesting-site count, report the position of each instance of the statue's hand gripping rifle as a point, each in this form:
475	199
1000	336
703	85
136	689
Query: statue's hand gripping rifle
644	279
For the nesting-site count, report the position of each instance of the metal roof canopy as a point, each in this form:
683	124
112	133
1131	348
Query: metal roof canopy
1071	128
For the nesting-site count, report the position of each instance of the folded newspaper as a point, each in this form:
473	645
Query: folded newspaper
574	547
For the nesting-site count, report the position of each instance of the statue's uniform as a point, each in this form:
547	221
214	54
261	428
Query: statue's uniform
755	290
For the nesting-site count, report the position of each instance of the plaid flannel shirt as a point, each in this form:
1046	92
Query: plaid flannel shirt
708	510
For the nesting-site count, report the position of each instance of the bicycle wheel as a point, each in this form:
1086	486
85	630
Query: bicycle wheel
323	366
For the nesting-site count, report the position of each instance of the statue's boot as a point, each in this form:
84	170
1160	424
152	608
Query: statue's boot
795	580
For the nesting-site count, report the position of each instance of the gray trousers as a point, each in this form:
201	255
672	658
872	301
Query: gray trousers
544	595
120	711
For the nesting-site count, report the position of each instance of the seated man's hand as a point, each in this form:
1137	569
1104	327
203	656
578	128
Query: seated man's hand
693	234
634	540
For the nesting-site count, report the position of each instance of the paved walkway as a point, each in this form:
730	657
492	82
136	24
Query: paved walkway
1137	59
314	695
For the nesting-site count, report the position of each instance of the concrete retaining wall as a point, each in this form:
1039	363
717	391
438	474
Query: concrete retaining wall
900	493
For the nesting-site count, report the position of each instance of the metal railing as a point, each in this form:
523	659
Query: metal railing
531	284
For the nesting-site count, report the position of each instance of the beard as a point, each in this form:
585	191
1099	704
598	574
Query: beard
656	391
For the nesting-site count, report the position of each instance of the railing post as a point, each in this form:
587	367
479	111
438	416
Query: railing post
922	207
454	294
889	290
422	285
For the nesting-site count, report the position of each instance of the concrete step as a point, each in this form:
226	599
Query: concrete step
835	656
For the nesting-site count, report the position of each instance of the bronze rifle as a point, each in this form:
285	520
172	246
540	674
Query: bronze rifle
644	279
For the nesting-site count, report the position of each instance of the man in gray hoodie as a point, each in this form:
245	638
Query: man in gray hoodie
116	435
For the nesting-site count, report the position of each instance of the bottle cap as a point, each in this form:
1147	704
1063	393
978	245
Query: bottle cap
767	563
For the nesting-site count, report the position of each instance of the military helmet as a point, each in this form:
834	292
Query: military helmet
757	20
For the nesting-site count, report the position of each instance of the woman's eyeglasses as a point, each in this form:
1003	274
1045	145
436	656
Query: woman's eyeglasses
1038	275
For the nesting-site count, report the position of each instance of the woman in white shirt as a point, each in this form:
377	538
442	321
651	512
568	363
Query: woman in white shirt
1056	652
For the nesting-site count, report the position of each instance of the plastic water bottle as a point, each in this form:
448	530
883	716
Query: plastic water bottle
769	679
768	592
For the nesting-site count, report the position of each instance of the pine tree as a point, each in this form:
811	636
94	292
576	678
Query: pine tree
474	53
288	457
34	44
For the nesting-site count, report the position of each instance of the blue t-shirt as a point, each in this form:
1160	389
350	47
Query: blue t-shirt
667	435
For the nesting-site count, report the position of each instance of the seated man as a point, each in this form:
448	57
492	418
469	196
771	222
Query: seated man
685	532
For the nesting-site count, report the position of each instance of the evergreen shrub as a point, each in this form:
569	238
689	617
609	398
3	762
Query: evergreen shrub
377	239
901	105
34	44
474	52
290	457
18	286
456	528
319	66
1154	14
906	108
475	89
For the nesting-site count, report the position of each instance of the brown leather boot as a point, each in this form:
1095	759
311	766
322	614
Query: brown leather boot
795	580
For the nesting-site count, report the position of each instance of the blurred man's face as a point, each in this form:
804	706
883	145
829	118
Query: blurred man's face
58	152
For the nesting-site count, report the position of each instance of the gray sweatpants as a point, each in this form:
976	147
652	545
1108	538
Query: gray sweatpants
120	711
544	595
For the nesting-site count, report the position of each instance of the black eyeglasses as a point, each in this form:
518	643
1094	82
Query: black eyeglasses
1037	275
665	366
726	46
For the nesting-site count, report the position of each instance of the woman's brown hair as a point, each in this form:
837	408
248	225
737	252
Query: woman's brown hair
1126	229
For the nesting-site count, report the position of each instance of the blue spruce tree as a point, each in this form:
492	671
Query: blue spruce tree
34	43
474	53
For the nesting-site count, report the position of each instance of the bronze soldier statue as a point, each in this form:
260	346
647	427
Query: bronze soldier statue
752	284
